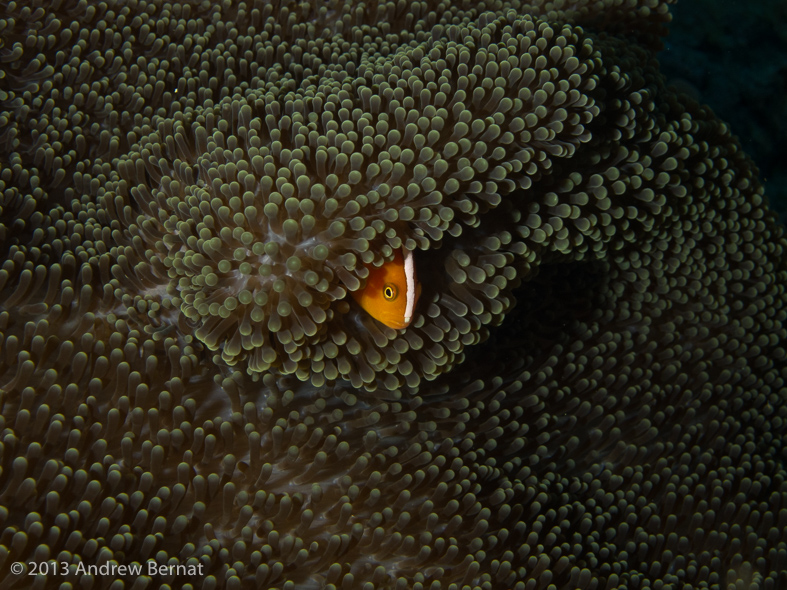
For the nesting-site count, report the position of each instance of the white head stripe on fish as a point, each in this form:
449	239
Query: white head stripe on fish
409	273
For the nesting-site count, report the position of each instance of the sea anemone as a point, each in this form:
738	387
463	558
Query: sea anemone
591	393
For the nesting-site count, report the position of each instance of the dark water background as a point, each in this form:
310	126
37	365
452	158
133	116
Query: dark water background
732	55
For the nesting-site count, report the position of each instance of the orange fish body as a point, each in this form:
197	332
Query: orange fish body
391	291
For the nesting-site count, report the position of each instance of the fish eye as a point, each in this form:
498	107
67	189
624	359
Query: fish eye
390	292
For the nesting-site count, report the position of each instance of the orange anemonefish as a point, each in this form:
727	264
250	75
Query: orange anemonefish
391	291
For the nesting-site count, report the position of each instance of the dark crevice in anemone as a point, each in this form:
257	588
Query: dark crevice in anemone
547	310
